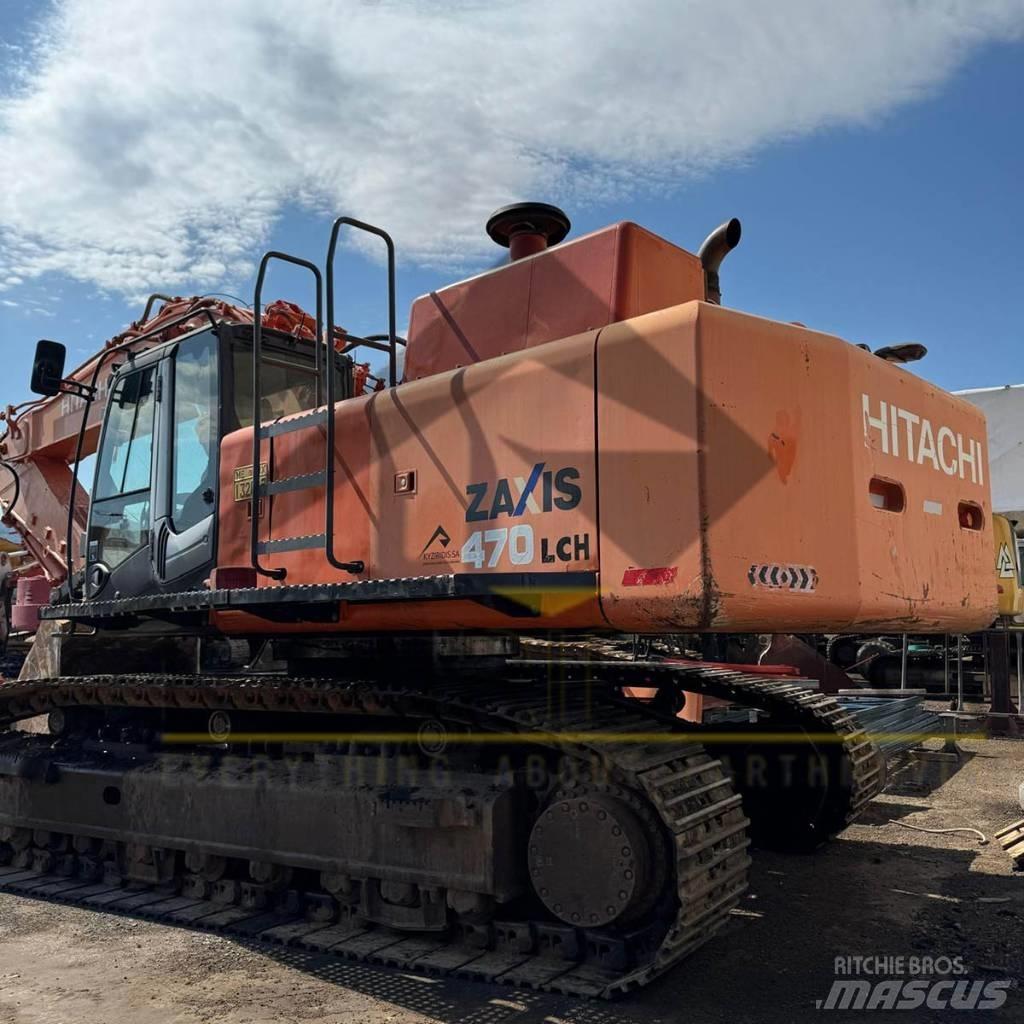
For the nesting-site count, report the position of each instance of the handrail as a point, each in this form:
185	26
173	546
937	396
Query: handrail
151	301
392	348
257	347
160	328
371	341
354	566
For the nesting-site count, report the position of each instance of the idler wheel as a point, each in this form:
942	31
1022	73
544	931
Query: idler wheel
591	861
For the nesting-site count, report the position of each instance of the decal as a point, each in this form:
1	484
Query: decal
487	547
436	549
243	480
1004	563
518	546
799	579
573	548
903	434
649	577
545	490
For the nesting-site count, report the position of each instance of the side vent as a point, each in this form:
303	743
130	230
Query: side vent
970	515
887	495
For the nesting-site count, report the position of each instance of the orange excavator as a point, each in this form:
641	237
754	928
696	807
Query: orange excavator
357	669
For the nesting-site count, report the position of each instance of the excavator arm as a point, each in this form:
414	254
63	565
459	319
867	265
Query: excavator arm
35	506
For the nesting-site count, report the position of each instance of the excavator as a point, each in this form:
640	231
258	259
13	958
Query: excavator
397	668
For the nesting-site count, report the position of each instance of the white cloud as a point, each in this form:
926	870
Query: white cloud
155	141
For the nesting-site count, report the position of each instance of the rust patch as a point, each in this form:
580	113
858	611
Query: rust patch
782	443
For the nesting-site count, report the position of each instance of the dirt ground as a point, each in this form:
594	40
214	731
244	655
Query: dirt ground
880	889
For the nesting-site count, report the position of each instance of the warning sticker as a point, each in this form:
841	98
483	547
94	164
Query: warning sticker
798	579
1004	563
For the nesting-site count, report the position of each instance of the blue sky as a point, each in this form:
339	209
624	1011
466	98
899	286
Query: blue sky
878	181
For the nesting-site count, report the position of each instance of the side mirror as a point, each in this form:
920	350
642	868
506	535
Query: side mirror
48	368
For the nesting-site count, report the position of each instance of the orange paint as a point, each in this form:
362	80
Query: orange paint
583	433
782	443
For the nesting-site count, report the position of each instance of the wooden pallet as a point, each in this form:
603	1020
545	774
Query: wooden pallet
1011	839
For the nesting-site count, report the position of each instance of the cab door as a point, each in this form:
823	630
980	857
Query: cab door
184	549
120	517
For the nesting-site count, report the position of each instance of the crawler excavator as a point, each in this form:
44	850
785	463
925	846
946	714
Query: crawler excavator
356	667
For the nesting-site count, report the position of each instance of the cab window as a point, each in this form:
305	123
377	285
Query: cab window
119	521
287	383
288	386
194	458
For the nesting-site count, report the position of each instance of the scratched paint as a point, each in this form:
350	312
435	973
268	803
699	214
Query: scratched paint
782	442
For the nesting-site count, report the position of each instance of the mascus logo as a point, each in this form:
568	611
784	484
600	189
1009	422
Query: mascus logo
441	538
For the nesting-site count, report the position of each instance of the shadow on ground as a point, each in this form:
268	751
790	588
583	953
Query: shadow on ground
775	958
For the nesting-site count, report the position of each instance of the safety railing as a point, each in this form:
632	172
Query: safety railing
391	348
259	490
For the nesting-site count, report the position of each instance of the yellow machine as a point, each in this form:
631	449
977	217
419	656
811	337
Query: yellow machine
1007	567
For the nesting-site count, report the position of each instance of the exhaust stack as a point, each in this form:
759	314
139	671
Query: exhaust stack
713	250
527	228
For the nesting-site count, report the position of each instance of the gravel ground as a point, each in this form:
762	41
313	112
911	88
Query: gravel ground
880	889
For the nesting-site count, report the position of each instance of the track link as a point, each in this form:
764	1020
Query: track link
790	703
671	777
819	715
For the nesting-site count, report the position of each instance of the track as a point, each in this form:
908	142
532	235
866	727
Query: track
829	732
624	755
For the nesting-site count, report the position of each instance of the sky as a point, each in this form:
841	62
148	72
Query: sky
873	151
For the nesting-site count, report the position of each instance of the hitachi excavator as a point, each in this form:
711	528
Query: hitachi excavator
356	667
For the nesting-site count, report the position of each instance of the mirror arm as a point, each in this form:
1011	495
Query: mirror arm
69	386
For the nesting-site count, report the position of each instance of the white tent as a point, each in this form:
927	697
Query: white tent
1004	409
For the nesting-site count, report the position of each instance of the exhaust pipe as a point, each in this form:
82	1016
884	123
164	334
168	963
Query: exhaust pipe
713	250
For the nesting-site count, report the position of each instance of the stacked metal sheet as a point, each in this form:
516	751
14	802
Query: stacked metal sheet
896	723
896	719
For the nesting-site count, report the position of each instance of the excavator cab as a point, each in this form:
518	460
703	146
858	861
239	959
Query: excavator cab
154	495
153	517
